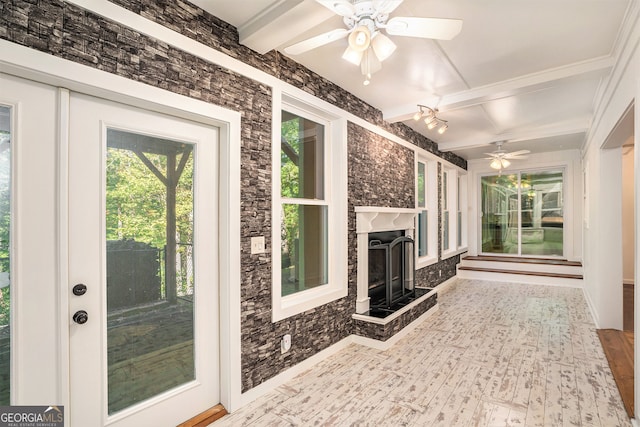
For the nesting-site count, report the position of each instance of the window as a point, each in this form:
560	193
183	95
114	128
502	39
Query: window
446	232
423	214
427	220
454	215
462	211
309	224
304	207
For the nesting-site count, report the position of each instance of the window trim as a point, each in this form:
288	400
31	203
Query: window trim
463	209
335	198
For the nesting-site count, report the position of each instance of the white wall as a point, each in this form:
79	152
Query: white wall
628	214
569	160
602	253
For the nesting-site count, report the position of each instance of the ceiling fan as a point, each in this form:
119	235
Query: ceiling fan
365	21
500	158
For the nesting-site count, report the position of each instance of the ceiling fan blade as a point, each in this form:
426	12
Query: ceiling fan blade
429	28
493	155
518	153
317	41
516	157
339	7
386	6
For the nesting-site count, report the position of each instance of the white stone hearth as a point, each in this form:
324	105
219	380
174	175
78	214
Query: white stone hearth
372	219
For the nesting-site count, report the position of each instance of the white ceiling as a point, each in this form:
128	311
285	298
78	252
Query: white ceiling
525	71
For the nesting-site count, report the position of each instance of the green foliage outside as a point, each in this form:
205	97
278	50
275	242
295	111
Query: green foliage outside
137	207
136	199
289	188
5	224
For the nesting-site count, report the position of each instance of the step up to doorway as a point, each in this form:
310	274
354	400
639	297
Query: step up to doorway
545	271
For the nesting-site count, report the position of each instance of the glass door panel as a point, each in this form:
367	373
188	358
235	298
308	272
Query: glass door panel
5	223
542	214
522	213
499	224
150	275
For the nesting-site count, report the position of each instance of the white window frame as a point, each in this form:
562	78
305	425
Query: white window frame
431	206
451	174
463	211
335	198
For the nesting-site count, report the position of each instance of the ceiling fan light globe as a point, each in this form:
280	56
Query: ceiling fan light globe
505	163
495	164
353	56
360	39
382	46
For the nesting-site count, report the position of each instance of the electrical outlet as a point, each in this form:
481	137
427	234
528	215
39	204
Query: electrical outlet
257	245
285	344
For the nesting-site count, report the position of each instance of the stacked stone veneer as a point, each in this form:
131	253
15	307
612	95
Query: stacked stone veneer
384	332
67	31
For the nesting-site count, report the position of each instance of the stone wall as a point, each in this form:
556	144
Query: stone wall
384	332
67	31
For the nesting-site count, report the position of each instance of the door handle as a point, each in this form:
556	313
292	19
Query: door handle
79	289
80	317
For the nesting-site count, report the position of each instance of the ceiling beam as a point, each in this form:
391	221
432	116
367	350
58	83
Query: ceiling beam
282	21
566	128
598	67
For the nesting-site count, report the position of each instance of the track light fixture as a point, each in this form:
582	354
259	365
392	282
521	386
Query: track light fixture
431	118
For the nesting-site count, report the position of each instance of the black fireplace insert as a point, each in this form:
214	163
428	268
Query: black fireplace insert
391	270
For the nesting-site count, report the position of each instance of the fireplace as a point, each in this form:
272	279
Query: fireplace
399	223
391	270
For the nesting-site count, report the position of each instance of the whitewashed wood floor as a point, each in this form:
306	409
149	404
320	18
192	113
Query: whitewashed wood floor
495	354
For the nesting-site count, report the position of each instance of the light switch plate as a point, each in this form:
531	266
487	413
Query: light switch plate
257	245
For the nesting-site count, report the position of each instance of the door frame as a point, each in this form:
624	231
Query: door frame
40	67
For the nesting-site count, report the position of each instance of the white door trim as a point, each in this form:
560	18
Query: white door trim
44	68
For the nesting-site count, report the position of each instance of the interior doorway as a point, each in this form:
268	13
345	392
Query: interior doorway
619	344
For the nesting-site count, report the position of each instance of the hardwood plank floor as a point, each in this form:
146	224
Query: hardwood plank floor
627	307
618	348
495	354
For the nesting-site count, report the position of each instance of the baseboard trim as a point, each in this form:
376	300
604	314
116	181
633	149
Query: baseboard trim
444	286
288	374
592	309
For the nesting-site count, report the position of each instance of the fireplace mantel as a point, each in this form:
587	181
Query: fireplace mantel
372	219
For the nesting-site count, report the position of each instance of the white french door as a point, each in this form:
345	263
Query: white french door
143	269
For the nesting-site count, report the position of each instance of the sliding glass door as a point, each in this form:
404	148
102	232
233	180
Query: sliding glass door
522	213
